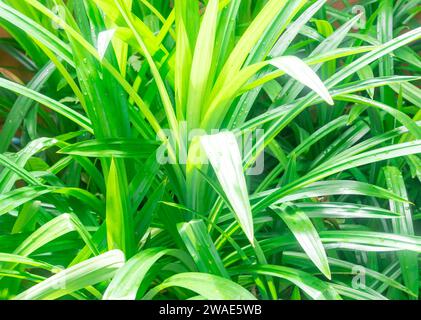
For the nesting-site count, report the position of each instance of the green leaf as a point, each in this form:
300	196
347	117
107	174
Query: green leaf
344	210
312	286
104	39
356	294
298	259
116	148
18	259
224	155
13	199
201	64
54	229
48	102
336	166
369	240
201	248
118	218
209	286
21	106
404	226
334	187
364	74
77	277
306	234
129	278
300	71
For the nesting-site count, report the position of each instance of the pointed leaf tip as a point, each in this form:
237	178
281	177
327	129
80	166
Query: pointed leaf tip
300	71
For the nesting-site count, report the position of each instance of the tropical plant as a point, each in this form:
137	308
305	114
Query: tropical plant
121	172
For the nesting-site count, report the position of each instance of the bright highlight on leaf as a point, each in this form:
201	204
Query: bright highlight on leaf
104	39
300	71
224	155
303	229
187	149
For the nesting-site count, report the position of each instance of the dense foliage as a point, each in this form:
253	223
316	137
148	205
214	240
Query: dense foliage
302	180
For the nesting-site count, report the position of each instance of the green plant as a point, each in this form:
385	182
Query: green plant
89	211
